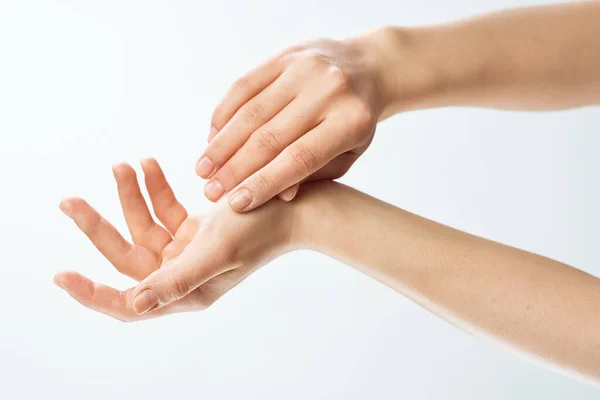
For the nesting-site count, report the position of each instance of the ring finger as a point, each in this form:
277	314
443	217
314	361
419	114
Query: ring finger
246	120
299	117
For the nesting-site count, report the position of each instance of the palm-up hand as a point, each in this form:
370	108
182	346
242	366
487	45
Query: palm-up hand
185	265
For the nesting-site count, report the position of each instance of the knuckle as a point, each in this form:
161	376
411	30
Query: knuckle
339	78
268	141
306	59
217	150
284	58
364	117
227	176
264	183
304	159
293	50
312	58
177	288
180	287
242	84
92	225
254	114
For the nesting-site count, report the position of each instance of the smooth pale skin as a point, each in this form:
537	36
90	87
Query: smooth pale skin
217	241
543	308
311	111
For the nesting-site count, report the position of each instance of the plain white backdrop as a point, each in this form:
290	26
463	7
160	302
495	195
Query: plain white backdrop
85	84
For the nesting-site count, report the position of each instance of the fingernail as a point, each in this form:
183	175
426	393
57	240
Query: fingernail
213	190
144	302
205	167
66	207
212	133
287	196
241	199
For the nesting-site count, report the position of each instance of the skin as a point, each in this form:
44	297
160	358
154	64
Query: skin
165	254
540	307
310	112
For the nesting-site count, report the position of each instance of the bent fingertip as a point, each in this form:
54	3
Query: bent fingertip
213	190
205	167
241	200
288	194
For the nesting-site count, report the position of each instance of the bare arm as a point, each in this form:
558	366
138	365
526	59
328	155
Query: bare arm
311	111
545	57
539	306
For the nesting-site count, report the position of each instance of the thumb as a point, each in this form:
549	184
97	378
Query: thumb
171	283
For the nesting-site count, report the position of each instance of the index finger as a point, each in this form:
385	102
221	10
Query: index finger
133	261
242	91
297	161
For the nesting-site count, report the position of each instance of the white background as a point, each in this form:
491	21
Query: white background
85	84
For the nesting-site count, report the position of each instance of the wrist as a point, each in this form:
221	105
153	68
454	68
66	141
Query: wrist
312	210
393	58
301	211
421	67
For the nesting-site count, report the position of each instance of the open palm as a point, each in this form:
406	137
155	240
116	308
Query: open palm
153	246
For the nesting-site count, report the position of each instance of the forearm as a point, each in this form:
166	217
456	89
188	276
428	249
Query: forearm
544	57
540	306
